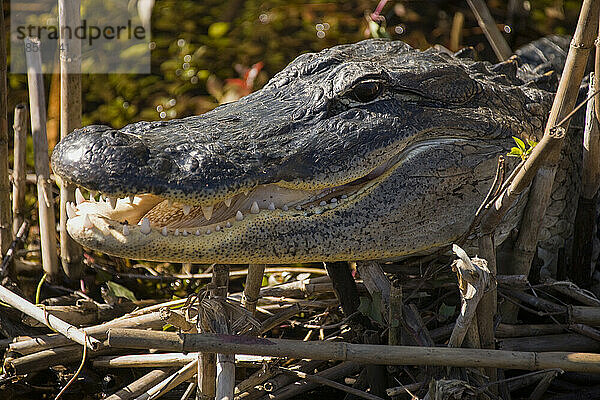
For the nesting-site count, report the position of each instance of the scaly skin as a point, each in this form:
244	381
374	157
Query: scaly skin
416	133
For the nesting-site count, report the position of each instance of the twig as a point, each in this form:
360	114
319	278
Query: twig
405	389
491	195
20	158
456	32
287	385
48	358
171	382
141	385
174	277
159	360
280	317
487	24
47	319
572	291
189	390
586	331
253	284
473	280
361	353
145	360
377	283
177	320
70	119
543	384
327	382
99	332
225	363
5	221
37	106
562	342
19	238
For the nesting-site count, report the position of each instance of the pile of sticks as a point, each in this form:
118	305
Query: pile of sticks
399	341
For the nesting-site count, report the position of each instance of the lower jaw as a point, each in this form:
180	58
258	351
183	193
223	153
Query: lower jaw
265	242
262	239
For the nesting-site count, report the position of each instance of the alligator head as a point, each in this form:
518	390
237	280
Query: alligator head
371	150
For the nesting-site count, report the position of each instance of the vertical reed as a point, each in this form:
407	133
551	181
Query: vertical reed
70	119
37	106
19	172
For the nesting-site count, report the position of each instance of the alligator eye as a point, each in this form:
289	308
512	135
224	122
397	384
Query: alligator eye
366	91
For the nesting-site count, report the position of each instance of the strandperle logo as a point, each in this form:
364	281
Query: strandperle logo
88	33
110	33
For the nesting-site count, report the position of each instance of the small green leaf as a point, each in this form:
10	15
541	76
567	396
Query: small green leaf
531	143
515	152
120	291
519	143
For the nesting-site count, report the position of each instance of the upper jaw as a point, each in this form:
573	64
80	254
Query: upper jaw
197	161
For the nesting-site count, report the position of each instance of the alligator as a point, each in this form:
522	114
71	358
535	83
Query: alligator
365	151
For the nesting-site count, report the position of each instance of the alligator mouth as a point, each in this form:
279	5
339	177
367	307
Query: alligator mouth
148	214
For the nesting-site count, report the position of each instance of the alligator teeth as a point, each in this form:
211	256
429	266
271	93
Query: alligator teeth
271	206
70	210
285	207
239	216
208	231
79	197
113	202
228	224
185	233
227	202
131	198
207	211
145	229
87	223
217	228
125	230
186	209
176	233
92	198
164	231
254	209
197	232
